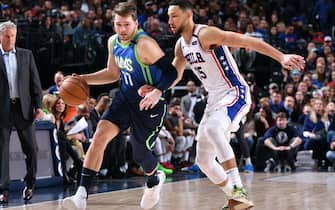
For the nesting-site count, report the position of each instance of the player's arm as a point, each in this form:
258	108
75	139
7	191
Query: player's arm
178	62
107	75
150	53
232	39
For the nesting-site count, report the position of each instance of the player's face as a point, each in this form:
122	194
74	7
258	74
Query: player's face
8	39
177	19
125	27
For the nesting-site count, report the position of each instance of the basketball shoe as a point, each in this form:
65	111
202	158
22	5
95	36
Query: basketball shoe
239	200
77	201
151	195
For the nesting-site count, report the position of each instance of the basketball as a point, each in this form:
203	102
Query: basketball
74	90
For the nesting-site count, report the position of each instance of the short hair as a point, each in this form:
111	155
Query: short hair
175	102
7	25
182	4
101	95
281	115
124	9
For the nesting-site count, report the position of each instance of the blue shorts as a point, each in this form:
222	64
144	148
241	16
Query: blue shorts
145	124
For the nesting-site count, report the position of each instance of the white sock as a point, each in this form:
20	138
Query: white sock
248	161
186	155
234	177
228	188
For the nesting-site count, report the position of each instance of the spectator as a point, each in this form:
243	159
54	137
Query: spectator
276	102
299	101
48	101
165	145
58	79
288	90
175	124
65	148
200	105
314	134
82	112
283	142
319	77
103	102
288	108
188	101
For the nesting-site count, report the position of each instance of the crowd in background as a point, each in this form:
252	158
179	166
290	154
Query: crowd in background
292	111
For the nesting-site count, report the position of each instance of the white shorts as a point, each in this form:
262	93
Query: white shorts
225	117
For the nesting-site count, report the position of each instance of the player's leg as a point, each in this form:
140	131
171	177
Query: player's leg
226	157
105	132
116	118
145	131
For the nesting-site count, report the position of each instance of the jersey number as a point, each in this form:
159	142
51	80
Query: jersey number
127	79
201	73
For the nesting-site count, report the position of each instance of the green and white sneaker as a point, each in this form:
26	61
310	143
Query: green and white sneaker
238	201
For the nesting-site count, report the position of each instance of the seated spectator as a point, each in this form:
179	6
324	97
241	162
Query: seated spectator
331	154
58	79
103	101
283	142
319	77
200	105
184	138
290	111
299	101
48	101
163	149
314	133
65	148
276	102
82	112
188	101
245	140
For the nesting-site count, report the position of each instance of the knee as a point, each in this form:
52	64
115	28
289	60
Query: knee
201	161
99	141
180	143
331	156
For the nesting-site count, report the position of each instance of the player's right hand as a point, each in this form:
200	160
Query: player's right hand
150	99
144	90
292	61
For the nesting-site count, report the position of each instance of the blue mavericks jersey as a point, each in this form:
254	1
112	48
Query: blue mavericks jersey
134	73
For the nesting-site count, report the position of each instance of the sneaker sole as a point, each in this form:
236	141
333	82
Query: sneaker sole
235	204
70	205
162	178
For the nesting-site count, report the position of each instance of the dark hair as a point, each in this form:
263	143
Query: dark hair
281	115
175	102
182	4
124	9
102	95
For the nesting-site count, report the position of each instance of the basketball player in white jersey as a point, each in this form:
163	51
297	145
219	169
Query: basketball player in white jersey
205	49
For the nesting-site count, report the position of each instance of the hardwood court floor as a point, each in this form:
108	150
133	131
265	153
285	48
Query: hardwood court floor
297	191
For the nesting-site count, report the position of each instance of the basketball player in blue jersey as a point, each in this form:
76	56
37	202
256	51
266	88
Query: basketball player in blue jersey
205	49
135	59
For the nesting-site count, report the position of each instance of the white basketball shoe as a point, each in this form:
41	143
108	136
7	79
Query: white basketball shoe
77	201
151	195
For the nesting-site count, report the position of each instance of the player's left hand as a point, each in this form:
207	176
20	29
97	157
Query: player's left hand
150	99
292	61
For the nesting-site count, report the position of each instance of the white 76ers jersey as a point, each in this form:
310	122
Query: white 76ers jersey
218	72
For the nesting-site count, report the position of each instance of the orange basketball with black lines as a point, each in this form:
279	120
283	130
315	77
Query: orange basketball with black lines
74	90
